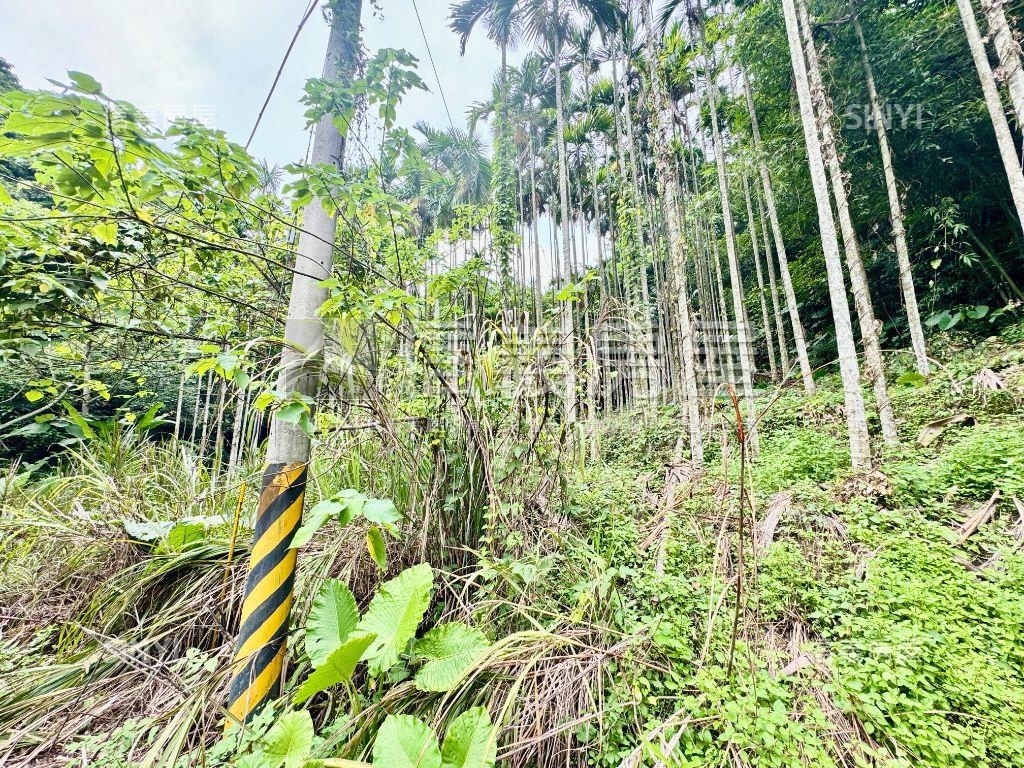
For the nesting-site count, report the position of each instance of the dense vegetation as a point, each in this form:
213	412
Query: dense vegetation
677	422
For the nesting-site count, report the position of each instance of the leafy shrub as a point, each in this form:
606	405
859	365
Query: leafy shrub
763	718
929	656
786	582
976	462
642	440
798	455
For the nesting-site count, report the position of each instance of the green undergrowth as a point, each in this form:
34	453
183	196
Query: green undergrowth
915	638
617	630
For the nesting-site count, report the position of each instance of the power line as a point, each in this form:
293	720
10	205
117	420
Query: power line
433	66
305	17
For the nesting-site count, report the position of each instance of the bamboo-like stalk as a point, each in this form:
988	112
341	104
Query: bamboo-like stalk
873	369
899	232
856	420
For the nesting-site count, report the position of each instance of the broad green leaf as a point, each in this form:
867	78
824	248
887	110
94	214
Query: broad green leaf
256	759
381	511
375	543
394	614
978	312
106	232
315	519
337	669
80	422
148	530
33	395
264	400
292	412
449	650
183	535
290	740
85	83
471	741
352	502
912	378
403	741
331	619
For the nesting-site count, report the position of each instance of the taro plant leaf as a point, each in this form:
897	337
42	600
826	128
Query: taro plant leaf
253	760
331	619
184	535
290	741
394	613
449	650
471	741
404	741
336	669
147	530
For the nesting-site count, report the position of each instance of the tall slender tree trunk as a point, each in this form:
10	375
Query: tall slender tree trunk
780	327
568	324
899	231
668	184
726	332
218	439
799	344
178	407
205	435
237	429
739	310
195	409
598	331
1004	139
646	326
262	638
869	325
856	420
1009	52
538	307
773	365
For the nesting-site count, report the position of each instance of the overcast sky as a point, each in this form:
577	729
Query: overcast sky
215	60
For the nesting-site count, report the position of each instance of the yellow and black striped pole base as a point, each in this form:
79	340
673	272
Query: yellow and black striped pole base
262	638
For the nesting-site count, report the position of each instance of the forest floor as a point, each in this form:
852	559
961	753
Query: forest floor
644	615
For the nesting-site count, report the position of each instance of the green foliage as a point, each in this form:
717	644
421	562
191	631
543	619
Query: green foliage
337	668
970	465
393	615
447	651
788	587
333	616
404	741
471	741
289	742
798	455
929	655
640	440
